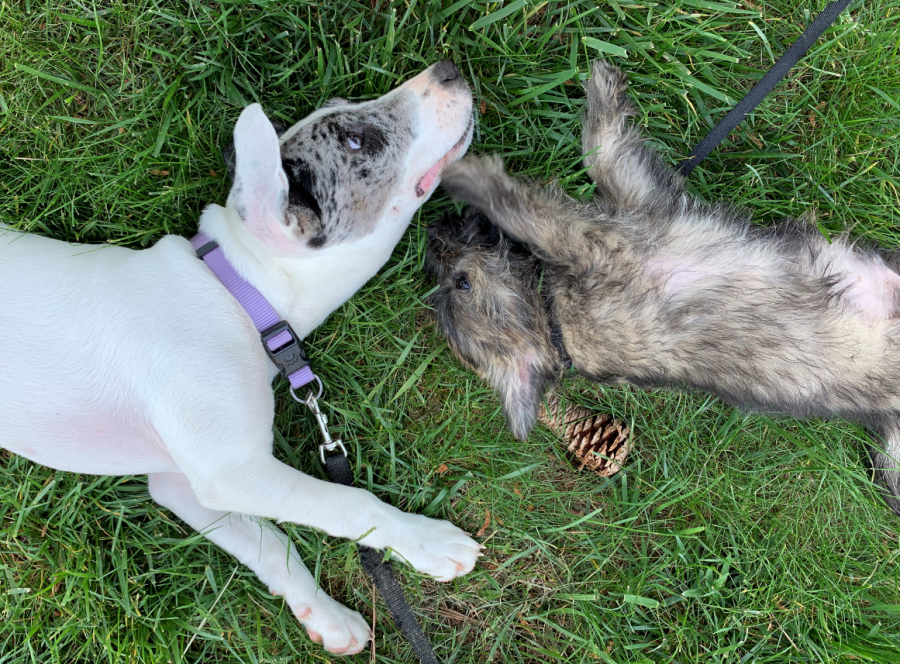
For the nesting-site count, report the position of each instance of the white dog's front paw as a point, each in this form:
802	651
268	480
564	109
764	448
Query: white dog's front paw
340	630
436	548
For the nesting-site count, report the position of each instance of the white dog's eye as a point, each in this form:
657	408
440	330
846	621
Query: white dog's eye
354	140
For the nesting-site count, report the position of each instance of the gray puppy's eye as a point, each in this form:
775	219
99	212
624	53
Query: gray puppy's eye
355	140
461	281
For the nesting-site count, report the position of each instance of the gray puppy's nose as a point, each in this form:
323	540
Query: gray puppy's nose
445	71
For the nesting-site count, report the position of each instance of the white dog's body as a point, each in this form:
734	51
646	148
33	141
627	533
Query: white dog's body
141	362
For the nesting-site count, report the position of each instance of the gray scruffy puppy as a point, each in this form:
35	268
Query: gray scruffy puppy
647	286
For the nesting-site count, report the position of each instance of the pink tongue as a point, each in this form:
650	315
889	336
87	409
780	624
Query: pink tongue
426	182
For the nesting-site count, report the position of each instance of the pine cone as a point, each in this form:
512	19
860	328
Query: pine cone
588	435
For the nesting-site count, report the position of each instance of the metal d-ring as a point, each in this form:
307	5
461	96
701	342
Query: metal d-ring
309	396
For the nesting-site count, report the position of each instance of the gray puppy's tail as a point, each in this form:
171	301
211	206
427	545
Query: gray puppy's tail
886	459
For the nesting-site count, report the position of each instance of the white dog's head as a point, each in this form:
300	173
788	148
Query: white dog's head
340	173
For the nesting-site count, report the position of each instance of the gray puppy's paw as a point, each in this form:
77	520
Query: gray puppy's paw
606	98
479	181
607	82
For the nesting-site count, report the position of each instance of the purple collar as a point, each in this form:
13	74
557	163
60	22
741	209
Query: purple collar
279	340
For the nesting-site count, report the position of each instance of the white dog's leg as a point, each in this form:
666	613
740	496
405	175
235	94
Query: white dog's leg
265	549
263	486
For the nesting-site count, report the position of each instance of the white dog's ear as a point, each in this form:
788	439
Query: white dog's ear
260	190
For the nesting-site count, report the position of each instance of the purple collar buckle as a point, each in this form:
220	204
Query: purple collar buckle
279	340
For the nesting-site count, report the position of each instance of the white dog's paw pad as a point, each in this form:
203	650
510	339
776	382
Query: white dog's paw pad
339	630
439	549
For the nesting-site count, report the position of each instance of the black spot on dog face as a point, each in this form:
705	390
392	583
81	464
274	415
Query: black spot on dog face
301	186
317	242
375	141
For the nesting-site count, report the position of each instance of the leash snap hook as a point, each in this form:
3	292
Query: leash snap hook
330	445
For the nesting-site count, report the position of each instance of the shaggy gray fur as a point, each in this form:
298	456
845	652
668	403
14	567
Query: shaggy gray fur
653	288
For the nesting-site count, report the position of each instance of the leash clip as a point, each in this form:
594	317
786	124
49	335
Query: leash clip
329	445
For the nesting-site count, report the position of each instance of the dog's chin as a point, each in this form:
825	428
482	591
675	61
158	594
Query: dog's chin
428	180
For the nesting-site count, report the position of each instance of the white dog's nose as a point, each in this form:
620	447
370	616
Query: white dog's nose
445	71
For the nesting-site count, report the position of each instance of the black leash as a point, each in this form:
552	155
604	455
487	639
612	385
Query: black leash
768	82
339	472
382	575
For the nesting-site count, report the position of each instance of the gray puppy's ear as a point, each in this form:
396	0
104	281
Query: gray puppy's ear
521	387
228	150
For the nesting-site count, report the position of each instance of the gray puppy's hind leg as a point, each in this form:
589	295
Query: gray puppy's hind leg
886	460
543	217
625	170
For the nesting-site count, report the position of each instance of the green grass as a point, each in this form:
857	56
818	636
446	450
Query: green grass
728	538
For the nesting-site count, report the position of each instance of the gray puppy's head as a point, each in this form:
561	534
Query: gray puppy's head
490	311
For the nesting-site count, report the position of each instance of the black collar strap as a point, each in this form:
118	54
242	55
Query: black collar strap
556	336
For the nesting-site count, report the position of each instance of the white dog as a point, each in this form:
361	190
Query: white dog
131	362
